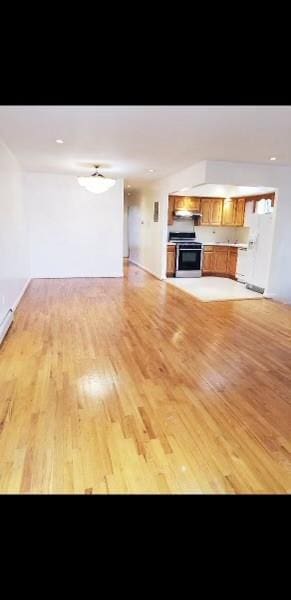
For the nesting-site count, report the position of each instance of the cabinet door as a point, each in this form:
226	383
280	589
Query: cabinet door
194	204
180	203
171	261
229	211
171	206
232	260
240	212
221	261
187	203
208	262
205	210
216	211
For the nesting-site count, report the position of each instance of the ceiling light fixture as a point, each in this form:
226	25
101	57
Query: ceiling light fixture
59	141
96	183
151	170
273	158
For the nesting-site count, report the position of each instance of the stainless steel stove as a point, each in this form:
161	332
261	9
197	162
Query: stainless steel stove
188	254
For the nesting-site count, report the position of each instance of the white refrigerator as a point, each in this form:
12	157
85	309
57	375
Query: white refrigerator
259	248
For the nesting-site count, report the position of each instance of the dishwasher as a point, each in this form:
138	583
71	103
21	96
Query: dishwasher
242	265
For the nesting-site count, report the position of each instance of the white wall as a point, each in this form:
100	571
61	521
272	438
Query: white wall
125	229
147	239
14	264
144	234
72	232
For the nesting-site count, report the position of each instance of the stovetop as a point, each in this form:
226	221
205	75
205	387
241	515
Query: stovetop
180	236
188	238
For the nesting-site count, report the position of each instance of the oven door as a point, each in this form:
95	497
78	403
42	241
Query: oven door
188	262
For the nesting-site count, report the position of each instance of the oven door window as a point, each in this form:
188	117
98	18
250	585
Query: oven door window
189	260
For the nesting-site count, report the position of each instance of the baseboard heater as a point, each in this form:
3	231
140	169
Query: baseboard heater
5	324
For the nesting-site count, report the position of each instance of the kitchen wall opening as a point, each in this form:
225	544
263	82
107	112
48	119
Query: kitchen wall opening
221	237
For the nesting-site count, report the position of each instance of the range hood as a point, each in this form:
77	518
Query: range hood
187	214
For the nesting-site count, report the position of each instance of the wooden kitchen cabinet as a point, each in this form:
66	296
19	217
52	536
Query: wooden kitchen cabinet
208	261
231	262
233	212
229	212
187	203
216	211
211	210
219	261
205	211
240	212
171	207
194	204
180	203
171	260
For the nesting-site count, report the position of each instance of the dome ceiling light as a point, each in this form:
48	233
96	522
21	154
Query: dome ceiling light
96	183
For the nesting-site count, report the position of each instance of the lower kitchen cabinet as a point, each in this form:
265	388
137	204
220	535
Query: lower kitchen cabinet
220	261
171	260
231	264
208	261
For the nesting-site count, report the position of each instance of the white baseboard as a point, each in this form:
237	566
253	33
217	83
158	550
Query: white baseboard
5	324
14	306
144	268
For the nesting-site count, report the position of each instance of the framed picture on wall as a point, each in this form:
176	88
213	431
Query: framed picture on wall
156	212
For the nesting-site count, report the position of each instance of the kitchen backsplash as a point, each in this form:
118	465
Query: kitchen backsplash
222	234
212	234
181	225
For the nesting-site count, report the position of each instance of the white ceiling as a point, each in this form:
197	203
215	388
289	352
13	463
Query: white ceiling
211	190
129	140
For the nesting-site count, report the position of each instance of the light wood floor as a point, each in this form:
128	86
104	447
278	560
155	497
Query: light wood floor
130	385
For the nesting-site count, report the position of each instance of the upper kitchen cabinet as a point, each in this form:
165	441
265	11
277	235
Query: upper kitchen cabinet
240	212
194	204
171	208
205	211
211	209
233	212
229	212
216	211
187	203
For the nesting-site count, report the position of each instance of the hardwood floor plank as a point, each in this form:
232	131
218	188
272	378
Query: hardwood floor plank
132	386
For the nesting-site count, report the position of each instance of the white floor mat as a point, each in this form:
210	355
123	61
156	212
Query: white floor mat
211	289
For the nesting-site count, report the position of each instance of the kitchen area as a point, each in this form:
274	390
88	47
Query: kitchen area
220	247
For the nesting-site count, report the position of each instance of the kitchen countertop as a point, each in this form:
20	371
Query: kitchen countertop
216	244
225	244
